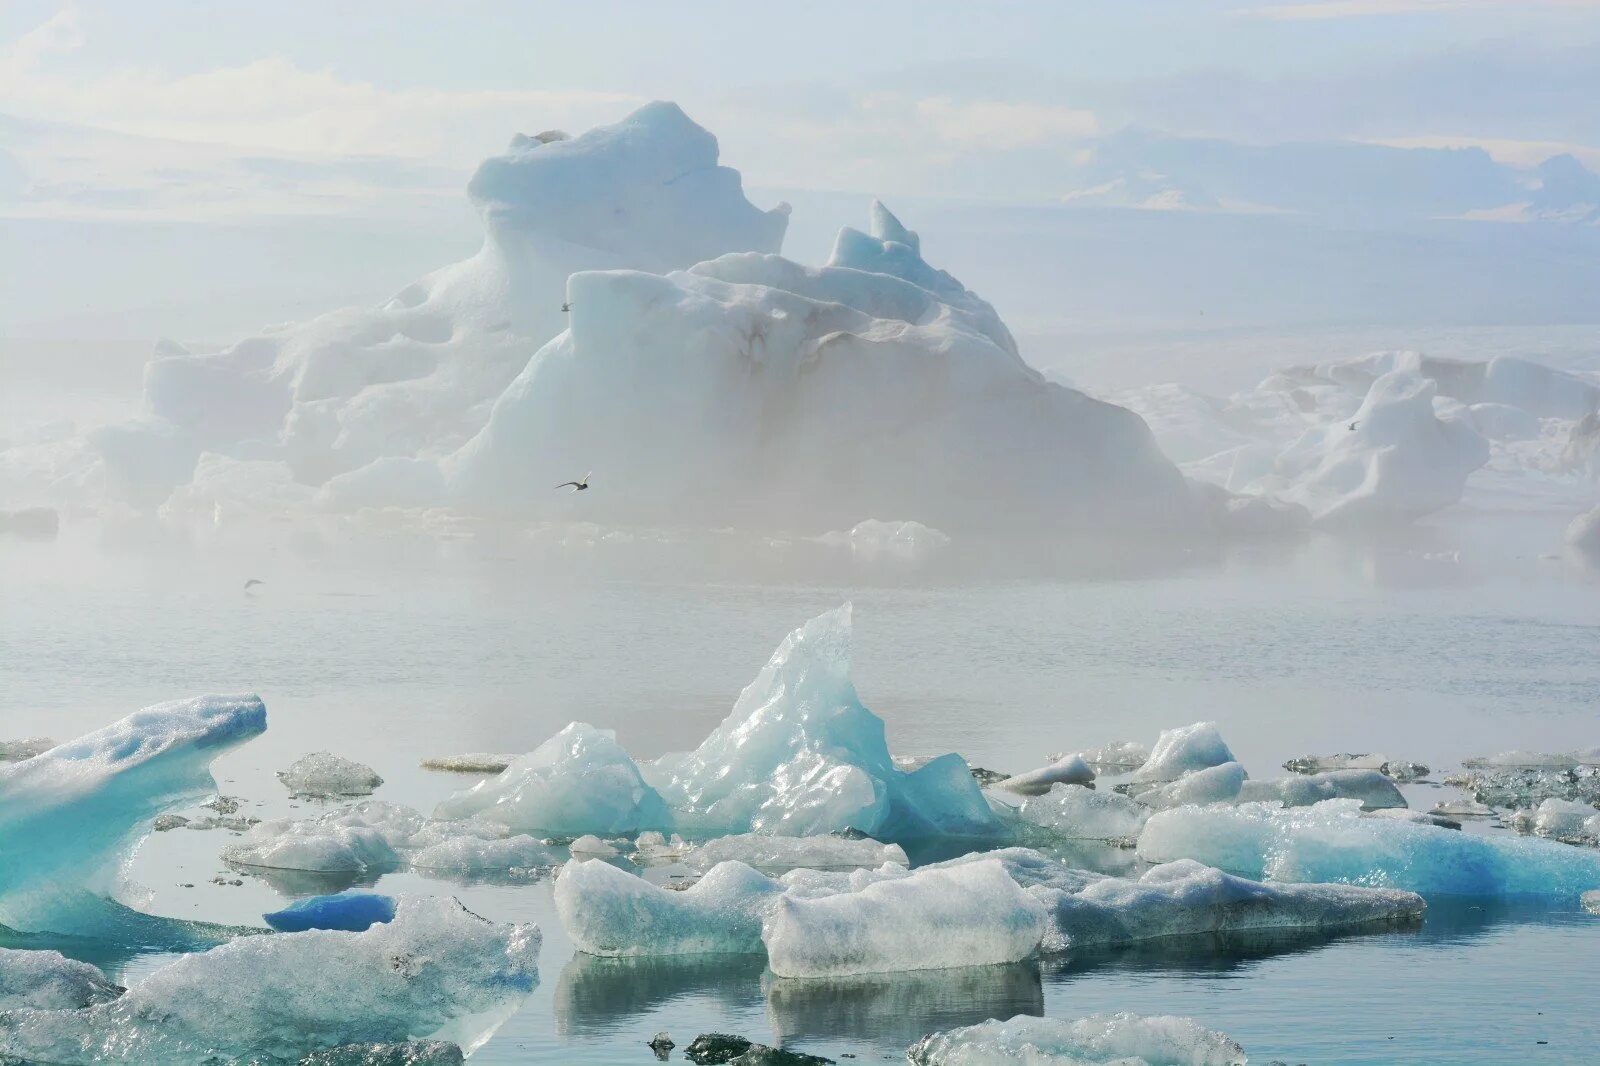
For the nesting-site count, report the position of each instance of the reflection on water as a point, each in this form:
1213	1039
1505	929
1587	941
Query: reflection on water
598	995
899	1008
1214	954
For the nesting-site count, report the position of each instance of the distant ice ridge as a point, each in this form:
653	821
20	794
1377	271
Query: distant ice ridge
1332	842
71	816
909	544
436	970
1010	904
798	755
1121	1039
1507	431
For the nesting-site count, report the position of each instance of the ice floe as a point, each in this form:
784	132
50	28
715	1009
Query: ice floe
607	911
1332	842
477	762
436	970
1375	790
1067	770
1074	812
1565	820
1184	750
1121	1039
47	980
71	816
324	774
1397	769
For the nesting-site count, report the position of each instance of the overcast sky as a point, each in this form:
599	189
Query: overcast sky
233	110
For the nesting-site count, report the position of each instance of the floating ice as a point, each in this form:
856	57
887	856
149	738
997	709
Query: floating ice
324	774
48	980
1117	755
967	915
436	970
799	755
17	750
589	844
1068	770
901	543
1121	1039
1214	784
1462	808
1184	750
353	912
473	854
609	912
1375	790
1397	769
476	762
71	816
1185	898
1528	778
1534	760
1074	812
1563	820
766	852
579	781
1332	842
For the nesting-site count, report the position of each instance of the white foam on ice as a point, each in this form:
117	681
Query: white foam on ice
1121	1039
1332	842
70	817
436	970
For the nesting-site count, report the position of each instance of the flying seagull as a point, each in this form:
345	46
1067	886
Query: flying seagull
1353	427
566	306
252	582
577	486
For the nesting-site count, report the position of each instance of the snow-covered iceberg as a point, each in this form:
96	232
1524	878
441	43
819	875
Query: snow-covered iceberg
70	817
1121	1039
1333	842
436	970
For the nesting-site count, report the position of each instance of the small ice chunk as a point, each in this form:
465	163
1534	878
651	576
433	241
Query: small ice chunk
1375	790
1462	808
1528	786
607	911
1214	784
968	915
435	967
1184	750
17	750
589	844
579	781
1333	842
468	854
766	852
325	774
1117	755
353	912
1591	901
476	762
1120	1039
1398	769
357	839
48	980
1074	812
1563	820
1184	898
1068	770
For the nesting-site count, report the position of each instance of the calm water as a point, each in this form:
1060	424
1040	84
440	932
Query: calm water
388	656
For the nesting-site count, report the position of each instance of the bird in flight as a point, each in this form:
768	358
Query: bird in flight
577	486
248	585
1353	426
566	306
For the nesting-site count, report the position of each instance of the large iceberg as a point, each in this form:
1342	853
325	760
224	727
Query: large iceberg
1121	1039
436	970
70	817
1333	842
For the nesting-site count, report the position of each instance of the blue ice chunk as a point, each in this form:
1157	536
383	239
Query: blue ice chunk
353	912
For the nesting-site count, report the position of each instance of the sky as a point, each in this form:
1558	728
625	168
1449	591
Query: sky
196	168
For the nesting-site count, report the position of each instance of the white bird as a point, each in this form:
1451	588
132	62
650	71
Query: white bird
577	486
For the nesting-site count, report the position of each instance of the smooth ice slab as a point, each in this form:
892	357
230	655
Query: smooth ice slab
1067	770
1183	751
607	911
1375	790
800	755
579	781
1121	1039
437	970
324	774
1332	842
968	915
48	980
71	816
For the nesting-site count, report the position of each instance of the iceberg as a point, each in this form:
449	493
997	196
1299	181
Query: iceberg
1375	790
607	911
1183	751
323	774
71	816
799	755
1121	1039
1331	842
1068	770
579	781
967	915
48	980
1074	812
436	970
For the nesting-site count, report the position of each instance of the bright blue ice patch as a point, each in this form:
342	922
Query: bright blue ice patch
350	911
